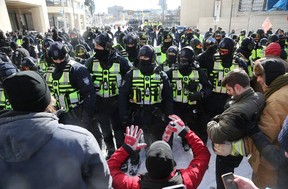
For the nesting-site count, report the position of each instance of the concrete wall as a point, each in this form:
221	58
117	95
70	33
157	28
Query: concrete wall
200	13
4	17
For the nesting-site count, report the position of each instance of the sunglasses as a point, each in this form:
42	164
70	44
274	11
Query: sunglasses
223	51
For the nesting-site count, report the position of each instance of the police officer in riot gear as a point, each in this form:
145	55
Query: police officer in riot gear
108	68
171	58
71	85
29	63
132	46
190	86
45	61
146	99
196	45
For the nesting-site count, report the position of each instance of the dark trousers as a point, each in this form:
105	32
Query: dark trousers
110	123
225	164
194	117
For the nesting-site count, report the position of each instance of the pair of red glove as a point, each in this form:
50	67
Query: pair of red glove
133	133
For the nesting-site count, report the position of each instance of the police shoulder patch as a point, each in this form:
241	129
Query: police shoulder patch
86	81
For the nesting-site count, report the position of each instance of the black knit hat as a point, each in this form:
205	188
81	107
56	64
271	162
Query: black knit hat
159	162
272	69
283	135
27	91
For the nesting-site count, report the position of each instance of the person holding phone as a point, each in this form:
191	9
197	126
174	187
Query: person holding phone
160	164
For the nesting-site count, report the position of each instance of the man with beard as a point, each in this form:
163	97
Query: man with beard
108	68
146	99
190	86
71	85
132	45
224	62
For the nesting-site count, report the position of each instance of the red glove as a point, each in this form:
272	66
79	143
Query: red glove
176	125
168	131
133	136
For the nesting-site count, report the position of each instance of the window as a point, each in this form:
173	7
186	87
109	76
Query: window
252	5
56	3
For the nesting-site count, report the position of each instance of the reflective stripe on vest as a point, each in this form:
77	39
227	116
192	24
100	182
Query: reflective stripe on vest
180	86
146	90
66	96
257	53
106	81
160	57
43	64
4	103
218	74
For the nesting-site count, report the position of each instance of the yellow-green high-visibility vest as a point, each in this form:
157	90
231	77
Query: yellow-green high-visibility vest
180	86
218	73
146	90
106	81
66	96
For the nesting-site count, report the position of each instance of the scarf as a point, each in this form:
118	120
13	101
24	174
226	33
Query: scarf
276	84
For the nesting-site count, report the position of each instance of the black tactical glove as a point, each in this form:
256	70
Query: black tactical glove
192	86
211	50
249	128
195	96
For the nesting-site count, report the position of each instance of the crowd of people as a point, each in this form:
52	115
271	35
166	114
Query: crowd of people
66	98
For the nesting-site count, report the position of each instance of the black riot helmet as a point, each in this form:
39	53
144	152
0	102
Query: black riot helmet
6	67
58	51
247	44
196	45
263	42
131	39
47	43
81	51
172	54
104	41
273	38
29	63
226	49
210	41
146	58
186	58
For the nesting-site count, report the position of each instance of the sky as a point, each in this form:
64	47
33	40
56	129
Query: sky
102	5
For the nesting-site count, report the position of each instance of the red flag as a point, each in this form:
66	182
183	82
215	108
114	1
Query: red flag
266	25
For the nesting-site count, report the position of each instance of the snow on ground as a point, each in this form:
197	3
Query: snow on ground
183	159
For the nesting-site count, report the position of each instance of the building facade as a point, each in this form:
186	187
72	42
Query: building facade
40	15
232	14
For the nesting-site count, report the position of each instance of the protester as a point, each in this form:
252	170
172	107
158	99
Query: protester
160	163
37	151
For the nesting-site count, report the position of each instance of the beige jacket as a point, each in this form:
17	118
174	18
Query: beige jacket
271	120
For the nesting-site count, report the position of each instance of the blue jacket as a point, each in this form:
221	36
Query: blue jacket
38	152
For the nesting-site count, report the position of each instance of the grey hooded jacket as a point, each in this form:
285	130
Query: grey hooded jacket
38	152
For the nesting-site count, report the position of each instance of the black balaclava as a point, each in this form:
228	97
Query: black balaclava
228	44
147	66
167	42
246	47
171	55
26	42
102	40
186	60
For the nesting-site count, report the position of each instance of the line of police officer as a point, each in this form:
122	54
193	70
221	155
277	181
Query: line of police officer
111	92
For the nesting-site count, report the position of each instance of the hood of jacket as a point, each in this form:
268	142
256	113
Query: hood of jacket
22	134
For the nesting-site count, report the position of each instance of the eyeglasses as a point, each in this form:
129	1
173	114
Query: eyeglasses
223	51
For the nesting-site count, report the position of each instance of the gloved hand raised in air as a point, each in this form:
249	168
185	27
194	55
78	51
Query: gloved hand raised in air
176	125
132	137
